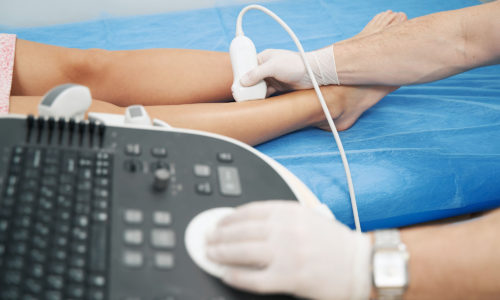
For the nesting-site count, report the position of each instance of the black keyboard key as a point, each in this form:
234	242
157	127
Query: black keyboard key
40	242
82	221
96	294
24	210
49	181
31	173
97	280
57	268
61	241
67	178
10	293
36	271
79	248
18	248
82	208
29	297
84	186
42	229
64	216
8	202
66	189
83	197
98	249
21	235
12	277
47	192
64	202
76	275
15	263
85	174
59	254
51	170
38	256
53	295
75	291
77	261
55	282
33	286
45	203
30	185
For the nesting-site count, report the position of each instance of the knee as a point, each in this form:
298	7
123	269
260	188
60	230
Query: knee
85	66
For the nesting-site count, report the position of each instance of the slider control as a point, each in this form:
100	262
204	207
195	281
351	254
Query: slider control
40	124
51	124
81	130
101	131
61	123
92	126
30	120
71	129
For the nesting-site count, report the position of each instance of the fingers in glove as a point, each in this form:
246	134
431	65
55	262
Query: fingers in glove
256	281
257	74
238	232
258	210
254	255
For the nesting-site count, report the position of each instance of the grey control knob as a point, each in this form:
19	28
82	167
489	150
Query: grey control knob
162	176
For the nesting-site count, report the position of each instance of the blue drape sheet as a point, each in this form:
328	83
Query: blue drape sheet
424	152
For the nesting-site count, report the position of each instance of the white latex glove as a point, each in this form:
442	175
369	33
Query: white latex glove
284	70
283	247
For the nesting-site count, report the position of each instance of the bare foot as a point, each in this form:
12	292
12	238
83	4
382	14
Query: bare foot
348	103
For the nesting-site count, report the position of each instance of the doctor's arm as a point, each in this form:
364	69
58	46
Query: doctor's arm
423	49
420	50
281	247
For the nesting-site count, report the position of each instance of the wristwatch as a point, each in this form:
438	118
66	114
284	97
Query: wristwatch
389	265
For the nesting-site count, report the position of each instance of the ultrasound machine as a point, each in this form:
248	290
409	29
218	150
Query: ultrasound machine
98	210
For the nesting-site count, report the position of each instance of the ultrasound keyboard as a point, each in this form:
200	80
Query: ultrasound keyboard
89	211
54	224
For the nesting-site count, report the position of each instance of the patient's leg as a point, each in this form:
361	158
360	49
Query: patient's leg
148	77
252	122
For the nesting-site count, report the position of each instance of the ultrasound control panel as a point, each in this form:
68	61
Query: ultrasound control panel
89	211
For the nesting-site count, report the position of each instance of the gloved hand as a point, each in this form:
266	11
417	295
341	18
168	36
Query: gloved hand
283	247
284	70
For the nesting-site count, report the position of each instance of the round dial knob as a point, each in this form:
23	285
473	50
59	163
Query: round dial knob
162	176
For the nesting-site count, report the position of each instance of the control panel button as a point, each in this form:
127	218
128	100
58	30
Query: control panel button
159	152
133	216
133	237
133	259
133	149
164	260
202	170
162	218
203	188
224	157
162	176
163	238
229	181
133	165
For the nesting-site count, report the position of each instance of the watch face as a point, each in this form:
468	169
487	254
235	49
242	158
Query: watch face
389	269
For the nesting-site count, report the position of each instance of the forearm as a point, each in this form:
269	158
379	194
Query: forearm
455	261
423	49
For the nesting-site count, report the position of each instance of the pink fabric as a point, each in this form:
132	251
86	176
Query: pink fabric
7	51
